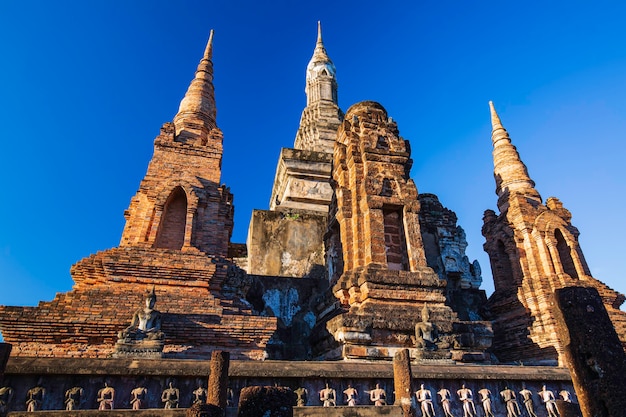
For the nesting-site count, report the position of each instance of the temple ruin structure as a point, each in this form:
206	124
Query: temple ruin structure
348	266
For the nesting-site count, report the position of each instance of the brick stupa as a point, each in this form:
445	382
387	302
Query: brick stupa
176	238
533	248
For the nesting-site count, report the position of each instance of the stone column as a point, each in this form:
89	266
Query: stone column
5	351
403	382
592	351
218	379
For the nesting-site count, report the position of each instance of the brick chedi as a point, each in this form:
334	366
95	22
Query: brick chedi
377	263
180	204
533	249
287	239
176	238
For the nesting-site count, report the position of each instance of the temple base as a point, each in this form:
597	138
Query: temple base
147	349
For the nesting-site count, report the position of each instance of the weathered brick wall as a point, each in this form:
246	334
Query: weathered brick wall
195	170
371	164
111	285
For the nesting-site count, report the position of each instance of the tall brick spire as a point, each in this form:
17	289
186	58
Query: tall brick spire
509	171
197	112
180	204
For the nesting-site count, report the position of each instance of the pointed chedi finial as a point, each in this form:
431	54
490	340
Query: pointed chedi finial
197	112
319	33
208	51
509	171
319	54
320	70
495	119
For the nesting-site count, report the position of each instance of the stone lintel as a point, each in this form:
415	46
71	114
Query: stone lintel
286	369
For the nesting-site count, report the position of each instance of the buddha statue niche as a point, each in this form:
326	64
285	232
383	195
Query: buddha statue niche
144	336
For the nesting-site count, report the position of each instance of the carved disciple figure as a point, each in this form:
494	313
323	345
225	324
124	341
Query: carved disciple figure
230	397
444	399
138	398
527	398
34	398
426	332
485	400
566	396
351	395
6	394
549	400
512	408
106	397
425	399
146	322
328	397
378	396
73	398
467	399
170	397
303	396
199	395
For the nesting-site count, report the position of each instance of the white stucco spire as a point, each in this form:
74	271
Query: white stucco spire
321	68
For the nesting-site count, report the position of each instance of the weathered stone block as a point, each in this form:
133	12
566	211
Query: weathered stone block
403	382
592	351
286	244
204	410
266	401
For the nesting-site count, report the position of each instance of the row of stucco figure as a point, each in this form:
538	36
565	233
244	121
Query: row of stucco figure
507	395
328	396
74	398
424	397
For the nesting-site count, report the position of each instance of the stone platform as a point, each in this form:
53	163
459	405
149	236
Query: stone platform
358	411
179	412
59	374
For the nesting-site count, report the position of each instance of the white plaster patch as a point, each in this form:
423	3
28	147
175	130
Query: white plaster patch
283	304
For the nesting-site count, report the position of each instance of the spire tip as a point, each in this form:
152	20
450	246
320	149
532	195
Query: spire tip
495	119
319	31
208	52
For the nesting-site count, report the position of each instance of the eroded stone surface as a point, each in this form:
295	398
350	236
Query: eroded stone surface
286	243
592	351
266	401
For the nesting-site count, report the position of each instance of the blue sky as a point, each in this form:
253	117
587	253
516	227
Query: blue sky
86	85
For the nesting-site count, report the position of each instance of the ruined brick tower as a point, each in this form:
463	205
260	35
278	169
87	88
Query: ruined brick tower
176	239
533	249
376	261
180	204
